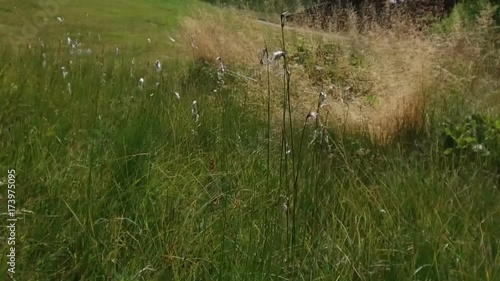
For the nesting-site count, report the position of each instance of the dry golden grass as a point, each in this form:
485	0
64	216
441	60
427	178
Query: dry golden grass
399	66
237	38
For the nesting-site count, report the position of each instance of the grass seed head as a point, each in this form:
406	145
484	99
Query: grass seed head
64	72
313	115
221	69
322	99
264	56
283	19
158	65
141	83
277	56
194	111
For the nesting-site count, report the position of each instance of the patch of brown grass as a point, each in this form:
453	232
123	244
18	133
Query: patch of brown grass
236	37
400	65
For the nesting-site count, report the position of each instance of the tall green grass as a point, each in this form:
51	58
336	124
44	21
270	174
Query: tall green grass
121	183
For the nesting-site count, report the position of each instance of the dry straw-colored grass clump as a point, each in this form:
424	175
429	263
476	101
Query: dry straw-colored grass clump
388	85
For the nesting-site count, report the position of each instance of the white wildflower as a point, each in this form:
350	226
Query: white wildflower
177	95
220	70
194	111
318	134
158	65
221	65
283	18
103	78
171	39
141	83
322	99
285	204
149	40
347	93
477	147
327	143
480	148
285	207
64	72
60	19
44	59
68	40
220	77
312	115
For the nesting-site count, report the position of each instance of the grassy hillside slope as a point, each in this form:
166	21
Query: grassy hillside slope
96	24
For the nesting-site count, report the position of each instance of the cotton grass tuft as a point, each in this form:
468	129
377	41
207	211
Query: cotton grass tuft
277	56
141	83
158	65
64	72
194	111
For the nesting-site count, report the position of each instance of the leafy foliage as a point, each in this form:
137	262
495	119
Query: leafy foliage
476	133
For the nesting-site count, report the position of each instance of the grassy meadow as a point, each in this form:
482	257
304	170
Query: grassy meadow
141	159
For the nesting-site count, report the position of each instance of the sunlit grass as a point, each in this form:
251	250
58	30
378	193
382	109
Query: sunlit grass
97	25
